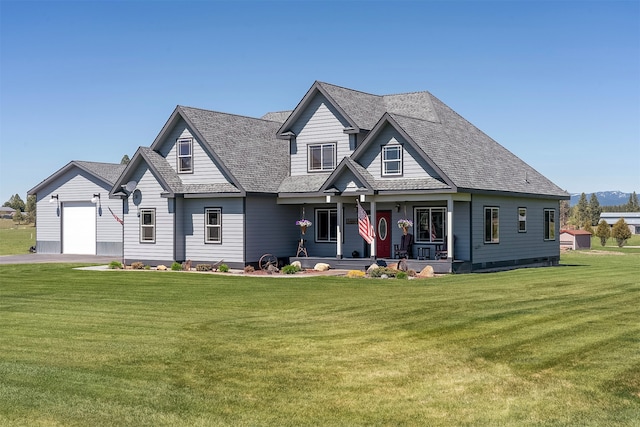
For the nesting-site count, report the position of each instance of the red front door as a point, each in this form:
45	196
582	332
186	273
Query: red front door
383	234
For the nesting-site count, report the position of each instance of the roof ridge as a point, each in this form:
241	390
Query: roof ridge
224	113
349	89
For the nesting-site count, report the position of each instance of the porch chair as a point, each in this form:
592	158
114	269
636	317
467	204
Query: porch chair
444	252
404	249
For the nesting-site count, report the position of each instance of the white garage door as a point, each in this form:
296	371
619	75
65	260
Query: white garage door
79	228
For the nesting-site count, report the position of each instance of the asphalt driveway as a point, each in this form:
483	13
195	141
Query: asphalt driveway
49	258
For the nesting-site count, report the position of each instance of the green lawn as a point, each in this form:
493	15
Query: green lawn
553	346
16	239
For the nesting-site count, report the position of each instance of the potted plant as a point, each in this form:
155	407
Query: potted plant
303	224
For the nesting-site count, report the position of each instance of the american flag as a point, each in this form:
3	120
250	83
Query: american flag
116	217
364	226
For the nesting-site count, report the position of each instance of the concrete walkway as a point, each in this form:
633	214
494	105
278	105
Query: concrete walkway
56	258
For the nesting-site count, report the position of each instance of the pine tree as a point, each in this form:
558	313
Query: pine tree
30	209
15	202
587	226
565	213
621	232
603	232
125	160
581	211
632	205
594	209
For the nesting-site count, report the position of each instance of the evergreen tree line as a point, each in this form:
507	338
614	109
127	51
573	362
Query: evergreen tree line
586	215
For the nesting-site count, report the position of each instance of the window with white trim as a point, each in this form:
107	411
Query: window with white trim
184	150
147	225
491	225
392	160
326	225
213	225
549	224
322	157
430	224
522	220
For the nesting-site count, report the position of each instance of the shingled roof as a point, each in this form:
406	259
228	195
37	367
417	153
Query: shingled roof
106	172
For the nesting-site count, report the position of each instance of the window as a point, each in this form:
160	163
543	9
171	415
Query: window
392	160
326	225
522	220
213	225
322	157
430	224
491	225
185	155
549	224
147	225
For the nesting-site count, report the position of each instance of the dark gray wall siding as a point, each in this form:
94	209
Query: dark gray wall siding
513	245
462	230
271	228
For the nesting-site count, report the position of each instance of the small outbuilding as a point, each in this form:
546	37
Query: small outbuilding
575	239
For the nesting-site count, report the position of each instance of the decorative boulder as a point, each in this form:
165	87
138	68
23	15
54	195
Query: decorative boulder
161	267
402	265
372	267
393	266
321	266
297	264
426	272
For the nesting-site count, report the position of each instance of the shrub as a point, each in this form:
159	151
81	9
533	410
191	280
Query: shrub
204	267
249	269
137	265
401	275
224	268
355	274
115	265
147	267
290	269
621	232
176	266
411	273
603	232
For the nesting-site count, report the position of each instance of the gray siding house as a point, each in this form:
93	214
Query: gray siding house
73	210
215	186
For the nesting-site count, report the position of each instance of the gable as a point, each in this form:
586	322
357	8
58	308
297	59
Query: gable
205	169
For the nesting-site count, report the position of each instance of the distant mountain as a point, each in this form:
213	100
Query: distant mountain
605	198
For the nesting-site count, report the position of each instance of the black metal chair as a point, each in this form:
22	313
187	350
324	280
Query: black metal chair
404	249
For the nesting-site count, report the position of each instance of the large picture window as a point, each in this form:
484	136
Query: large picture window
491	225
392	160
322	157
326	225
549	224
147	225
213	225
185	155
431	224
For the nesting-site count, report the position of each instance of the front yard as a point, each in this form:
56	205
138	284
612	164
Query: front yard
551	346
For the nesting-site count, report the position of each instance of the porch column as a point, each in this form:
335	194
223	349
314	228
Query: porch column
450	228
339	230
374	224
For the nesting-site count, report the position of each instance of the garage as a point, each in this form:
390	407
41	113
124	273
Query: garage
79	228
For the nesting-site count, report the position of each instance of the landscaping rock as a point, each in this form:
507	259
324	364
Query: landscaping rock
161	267
426	272
321	266
297	264
372	267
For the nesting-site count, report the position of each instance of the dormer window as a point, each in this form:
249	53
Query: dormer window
185	155
392	160
322	157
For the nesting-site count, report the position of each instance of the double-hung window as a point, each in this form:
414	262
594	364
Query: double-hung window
392	160
549	224
326	225
491	225
147	225
213	225
184	148
522	220
430	224
322	157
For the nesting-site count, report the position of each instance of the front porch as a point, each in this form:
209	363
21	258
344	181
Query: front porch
440	266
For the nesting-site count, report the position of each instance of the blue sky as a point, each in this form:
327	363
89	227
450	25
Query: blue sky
555	82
